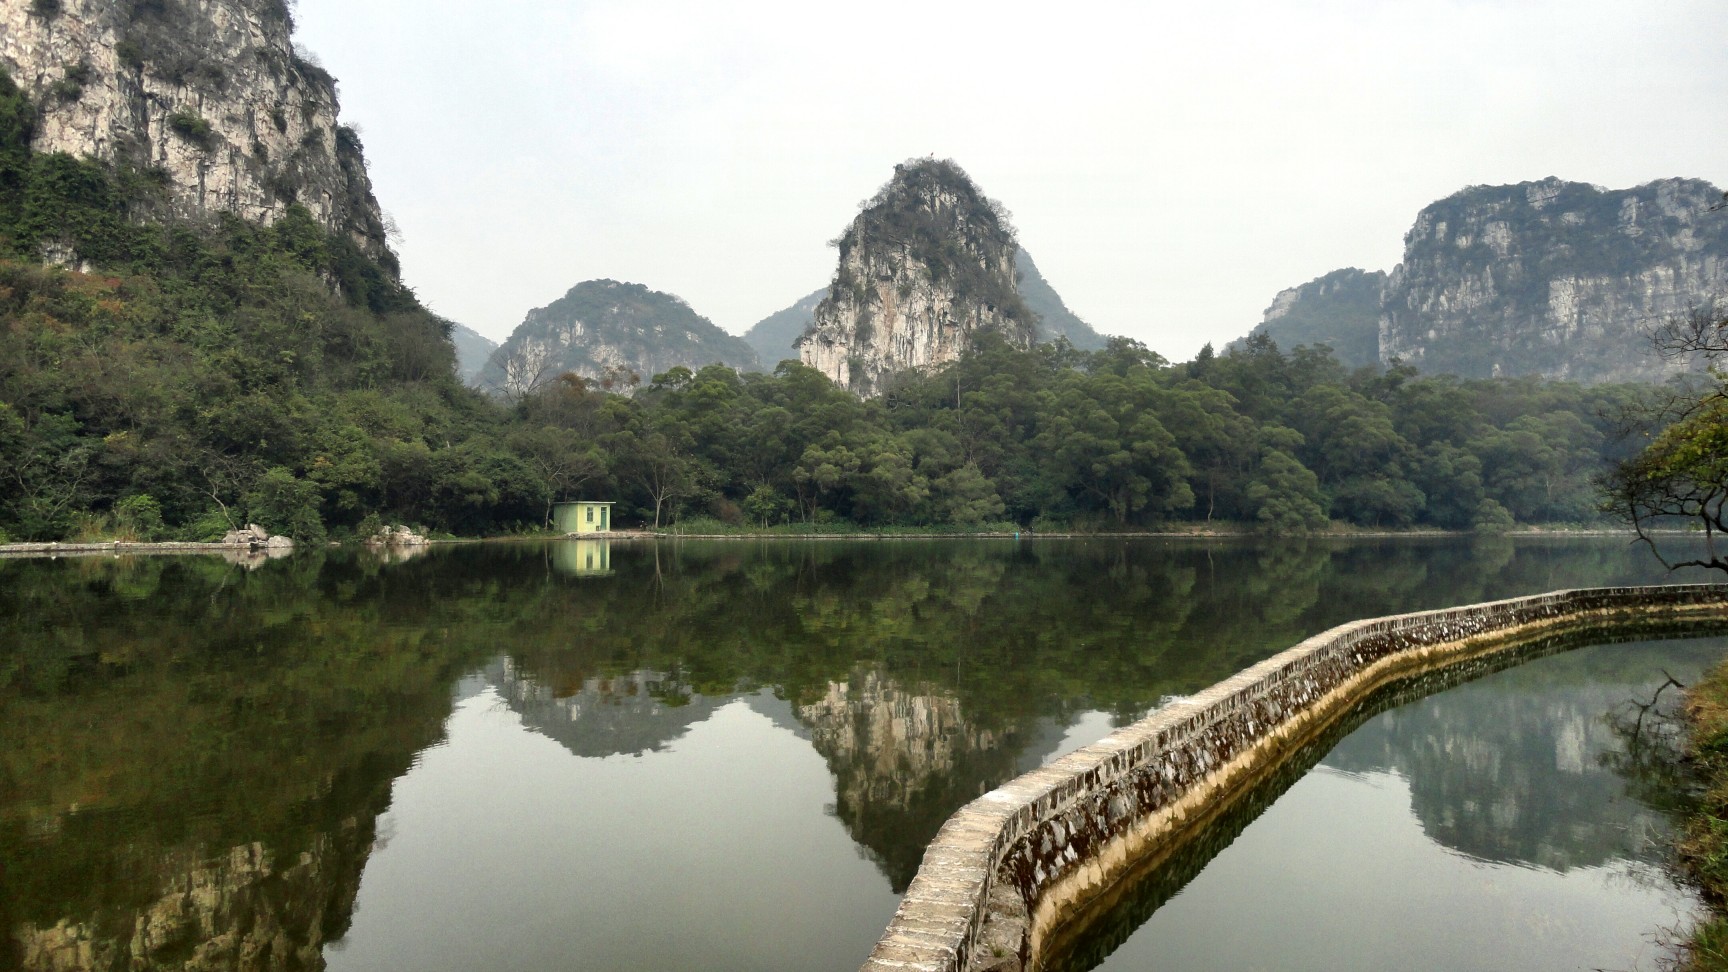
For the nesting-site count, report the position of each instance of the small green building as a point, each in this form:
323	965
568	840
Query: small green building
582	517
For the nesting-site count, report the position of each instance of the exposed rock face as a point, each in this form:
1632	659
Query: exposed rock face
210	94
255	536
897	739
603	326
903	757
775	337
926	265
1554	278
1341	309
396	536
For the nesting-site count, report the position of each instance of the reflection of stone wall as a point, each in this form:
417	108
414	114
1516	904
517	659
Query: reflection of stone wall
1007	868
244	910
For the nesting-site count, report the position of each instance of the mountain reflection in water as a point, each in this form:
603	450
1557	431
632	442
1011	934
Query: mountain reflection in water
1501	823
199	756
1520	768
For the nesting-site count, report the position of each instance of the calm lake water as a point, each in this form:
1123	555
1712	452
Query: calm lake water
731	755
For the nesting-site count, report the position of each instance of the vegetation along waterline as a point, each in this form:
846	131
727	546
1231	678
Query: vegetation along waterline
1704	847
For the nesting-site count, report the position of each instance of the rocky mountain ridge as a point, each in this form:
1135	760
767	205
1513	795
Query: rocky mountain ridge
207	97
1555	278
1551	278
928	263
605	328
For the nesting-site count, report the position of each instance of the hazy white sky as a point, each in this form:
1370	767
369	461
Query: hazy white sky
1171	166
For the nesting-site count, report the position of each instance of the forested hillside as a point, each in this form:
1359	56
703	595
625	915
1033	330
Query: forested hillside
194	375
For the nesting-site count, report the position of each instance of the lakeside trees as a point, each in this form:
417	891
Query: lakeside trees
1120	438
1680	478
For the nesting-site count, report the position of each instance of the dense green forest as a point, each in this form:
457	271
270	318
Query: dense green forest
166	379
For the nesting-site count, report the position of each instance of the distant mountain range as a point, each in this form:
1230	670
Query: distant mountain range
1552	278
601	324
1341	310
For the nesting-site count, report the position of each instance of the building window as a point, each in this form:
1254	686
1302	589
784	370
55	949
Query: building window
590	514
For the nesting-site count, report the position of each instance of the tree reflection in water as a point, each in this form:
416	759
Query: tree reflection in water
197	753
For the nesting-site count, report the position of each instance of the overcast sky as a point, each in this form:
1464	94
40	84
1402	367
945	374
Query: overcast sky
1171	166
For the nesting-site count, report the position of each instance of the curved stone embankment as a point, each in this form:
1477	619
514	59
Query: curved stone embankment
1015	864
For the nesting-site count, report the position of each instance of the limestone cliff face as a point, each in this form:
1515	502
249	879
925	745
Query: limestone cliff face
209	95
1554	278
926	265
776	336
892	740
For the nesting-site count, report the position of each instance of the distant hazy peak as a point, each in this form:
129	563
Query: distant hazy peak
1055	320
607	325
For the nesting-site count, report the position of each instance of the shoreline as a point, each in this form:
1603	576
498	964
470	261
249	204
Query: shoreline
55	549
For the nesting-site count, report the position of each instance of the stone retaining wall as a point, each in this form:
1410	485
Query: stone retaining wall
116	547
1012	865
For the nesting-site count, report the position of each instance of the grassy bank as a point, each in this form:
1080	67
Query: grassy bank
1704	849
